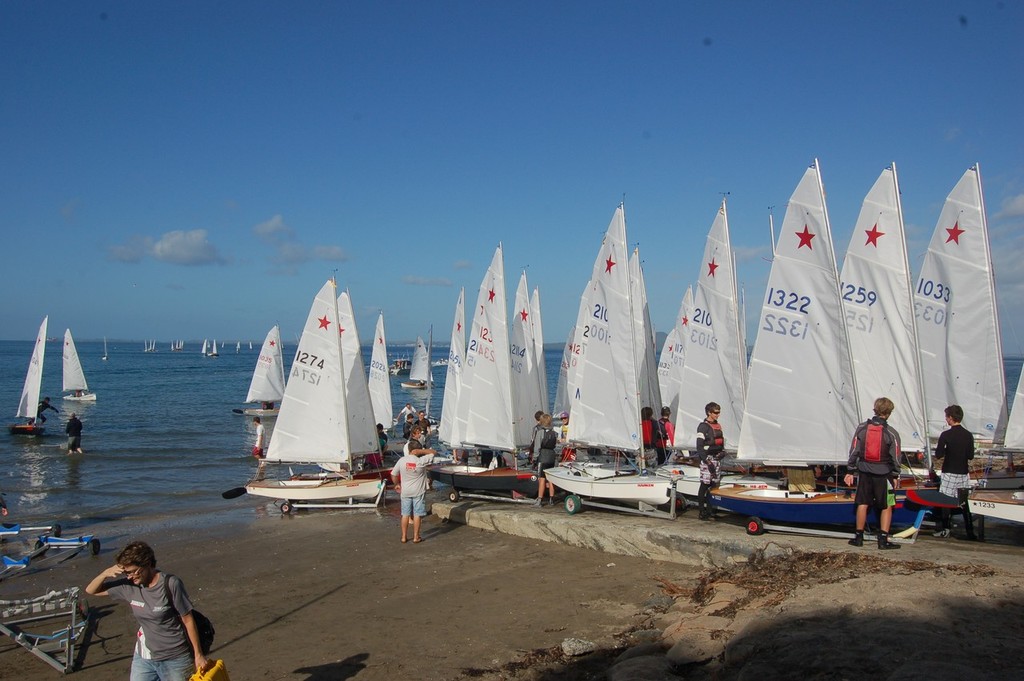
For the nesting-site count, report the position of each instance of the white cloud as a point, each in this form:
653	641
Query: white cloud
426	281
462	265
186	248
273	229
288	251
1013	207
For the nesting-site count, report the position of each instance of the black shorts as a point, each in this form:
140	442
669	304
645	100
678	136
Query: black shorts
872	490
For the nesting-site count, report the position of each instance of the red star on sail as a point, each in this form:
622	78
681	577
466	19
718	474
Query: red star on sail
686	321
873	235
490	296
340	330
458	326
273	343
805	238
712	266
609	264
324	322
522	313
380	340
954	233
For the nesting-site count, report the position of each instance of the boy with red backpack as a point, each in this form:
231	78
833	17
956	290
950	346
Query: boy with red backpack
875	455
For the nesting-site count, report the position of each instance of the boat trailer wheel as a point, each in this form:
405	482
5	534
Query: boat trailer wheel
454	496
286	507
573	504
94	546
755	526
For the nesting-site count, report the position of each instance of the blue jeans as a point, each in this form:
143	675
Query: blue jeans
176	669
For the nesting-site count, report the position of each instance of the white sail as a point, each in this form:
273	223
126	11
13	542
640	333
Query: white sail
312	426
29	402
420	370
213	349
485	405
643	338
527	397
801	397
672	360
716	360
267	384
878	298
567	364
74	377
575	349
1015	424
105	347
380	378
447	431
538	340
362	427
957	320
605	404
206	347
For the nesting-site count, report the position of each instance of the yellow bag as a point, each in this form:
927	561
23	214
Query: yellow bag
218	672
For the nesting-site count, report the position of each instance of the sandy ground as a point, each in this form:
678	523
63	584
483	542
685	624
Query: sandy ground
325	596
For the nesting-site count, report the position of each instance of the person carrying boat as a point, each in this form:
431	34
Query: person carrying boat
710	451
875	455
74	433
167	647
410	476
43	406
955	447
544	442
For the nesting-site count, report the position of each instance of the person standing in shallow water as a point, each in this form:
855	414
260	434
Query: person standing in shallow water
875	455
74	433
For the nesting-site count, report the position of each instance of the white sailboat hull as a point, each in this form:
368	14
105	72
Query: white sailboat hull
687	479
318	489
1003	504
88	397
601	483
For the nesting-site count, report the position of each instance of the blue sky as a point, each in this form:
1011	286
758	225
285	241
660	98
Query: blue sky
191	169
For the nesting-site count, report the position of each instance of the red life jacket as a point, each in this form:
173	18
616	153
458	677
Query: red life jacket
716	428
874	443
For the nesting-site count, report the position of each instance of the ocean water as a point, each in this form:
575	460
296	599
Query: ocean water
161	439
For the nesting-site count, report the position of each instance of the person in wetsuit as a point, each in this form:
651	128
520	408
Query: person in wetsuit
710	451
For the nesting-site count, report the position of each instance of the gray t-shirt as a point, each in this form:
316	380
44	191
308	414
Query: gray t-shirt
413	473
161	634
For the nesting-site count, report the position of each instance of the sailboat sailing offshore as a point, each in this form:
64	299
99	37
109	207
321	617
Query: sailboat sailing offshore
29	402
74	377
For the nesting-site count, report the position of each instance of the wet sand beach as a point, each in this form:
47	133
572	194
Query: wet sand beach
327	595
335	596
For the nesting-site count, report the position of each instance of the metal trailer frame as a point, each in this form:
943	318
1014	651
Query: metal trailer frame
756	526
56	648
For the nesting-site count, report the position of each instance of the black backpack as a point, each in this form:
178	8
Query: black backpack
550	440
204	627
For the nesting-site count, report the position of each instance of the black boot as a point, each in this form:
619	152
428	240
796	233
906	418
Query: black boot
884	543
858	538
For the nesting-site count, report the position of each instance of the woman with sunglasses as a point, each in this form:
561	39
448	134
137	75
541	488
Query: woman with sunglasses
167	646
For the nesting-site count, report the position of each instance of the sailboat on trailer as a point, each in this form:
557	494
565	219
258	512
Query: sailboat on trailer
957	319
315	425
74	377
485	412
267	384
29	402
606	397
801	405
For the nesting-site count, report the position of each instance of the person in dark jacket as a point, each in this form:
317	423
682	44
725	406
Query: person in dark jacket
875	455
43	406
74	433
710	451
955	448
